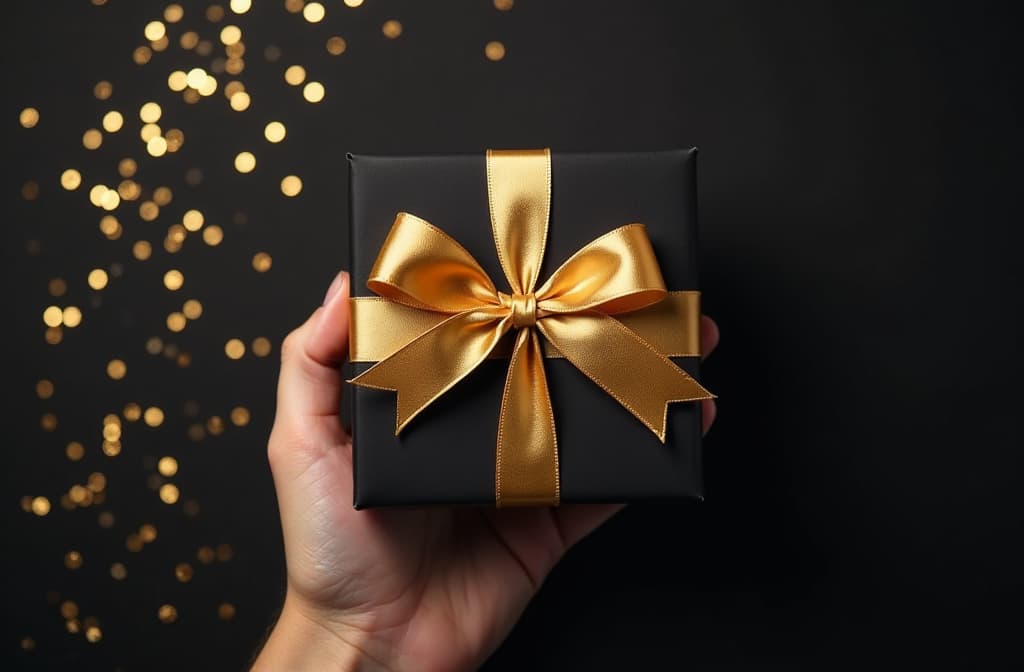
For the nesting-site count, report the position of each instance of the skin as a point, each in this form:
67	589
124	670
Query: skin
423	589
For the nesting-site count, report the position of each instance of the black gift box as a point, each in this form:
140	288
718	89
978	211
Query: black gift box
447	454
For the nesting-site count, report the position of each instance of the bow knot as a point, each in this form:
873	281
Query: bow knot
523	308
420	266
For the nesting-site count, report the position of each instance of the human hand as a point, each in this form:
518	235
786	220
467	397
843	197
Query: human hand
401	589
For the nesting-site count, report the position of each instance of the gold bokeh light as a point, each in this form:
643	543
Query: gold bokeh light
240	101
150	113
92	139
57	287
71	316
193	220
234	348
176	322
44	389
274	131
173	13
261	346
167	466
291	185
110	227
392	29
40	506
103	90
112	121
192	309
70	179
245	162
149	131
240	416
141	250
494	51
336	45
73	560
97	278
153	416
313	12
156	146
295	75
167	613
74	451
142	55
154	30
261	261
29	117
230	35
313	92
127	167
53	316
148	211
213	235
177	80
183	572
169	493
173	279
116	369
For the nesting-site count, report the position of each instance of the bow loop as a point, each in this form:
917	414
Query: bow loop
615	273
422	266
519	194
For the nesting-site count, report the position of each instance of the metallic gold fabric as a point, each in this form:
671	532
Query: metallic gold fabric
456	318
671	326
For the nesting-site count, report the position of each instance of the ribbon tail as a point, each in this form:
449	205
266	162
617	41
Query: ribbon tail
437	359
625	366
526	462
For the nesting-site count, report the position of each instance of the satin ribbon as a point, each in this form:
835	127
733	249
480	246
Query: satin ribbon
422	268
671	326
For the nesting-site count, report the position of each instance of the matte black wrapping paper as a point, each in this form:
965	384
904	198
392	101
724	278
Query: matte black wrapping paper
447	454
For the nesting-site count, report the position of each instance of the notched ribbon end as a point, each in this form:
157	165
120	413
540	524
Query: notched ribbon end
400	424
701	393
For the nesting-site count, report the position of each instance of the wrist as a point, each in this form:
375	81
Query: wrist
302	639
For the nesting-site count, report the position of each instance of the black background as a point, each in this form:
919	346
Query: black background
858	190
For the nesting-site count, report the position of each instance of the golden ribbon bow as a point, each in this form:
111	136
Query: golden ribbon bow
422	267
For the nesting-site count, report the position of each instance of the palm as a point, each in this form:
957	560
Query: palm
439	586
429	588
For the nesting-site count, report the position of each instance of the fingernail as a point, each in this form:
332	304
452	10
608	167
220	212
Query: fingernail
336	284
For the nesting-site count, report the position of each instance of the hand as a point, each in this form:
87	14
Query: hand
423	589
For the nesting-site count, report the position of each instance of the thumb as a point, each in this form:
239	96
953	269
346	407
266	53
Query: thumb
309	387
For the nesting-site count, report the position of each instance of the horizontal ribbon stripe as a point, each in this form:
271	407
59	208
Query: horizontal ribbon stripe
381	327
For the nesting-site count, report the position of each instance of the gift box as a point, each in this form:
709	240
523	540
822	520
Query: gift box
524	328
